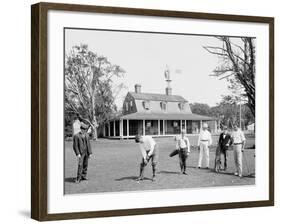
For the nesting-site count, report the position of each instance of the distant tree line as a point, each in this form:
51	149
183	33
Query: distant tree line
227	112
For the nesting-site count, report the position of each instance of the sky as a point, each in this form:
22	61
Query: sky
145	56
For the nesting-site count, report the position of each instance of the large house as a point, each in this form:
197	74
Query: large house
156	115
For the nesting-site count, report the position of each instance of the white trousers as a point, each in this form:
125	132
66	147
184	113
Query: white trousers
204	152
237	150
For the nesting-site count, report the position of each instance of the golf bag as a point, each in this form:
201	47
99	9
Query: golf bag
218	159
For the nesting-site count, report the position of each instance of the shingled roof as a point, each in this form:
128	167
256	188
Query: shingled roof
164	116
157	97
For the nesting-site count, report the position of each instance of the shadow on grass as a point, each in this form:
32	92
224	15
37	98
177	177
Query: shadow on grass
168	172
250	175
70	179
131	178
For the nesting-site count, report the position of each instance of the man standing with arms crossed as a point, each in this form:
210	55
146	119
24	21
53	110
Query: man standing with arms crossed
149	151
238	140
83	151
204	140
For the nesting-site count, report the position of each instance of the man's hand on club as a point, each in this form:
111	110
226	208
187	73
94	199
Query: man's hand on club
78	157
147	158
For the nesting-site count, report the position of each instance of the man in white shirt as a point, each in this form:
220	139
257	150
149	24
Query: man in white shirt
238	141
183	146
149	151
204	140
76	126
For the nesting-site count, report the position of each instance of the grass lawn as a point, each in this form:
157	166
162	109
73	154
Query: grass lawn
115	166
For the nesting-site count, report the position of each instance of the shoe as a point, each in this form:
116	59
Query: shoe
153	178
235	174
240	175
139	179
77	181
85	178
207	167
199	167
184	173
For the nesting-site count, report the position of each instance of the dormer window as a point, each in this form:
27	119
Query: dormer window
146	105
131	104
181	105
163	105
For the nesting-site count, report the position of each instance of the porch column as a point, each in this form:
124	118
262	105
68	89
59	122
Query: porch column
143	127
185	126
114	131
103	129
127	127
109	129
121	128
201	124
181	125
159	127
163	127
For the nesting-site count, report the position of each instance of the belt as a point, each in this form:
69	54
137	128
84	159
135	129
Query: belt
204	140
237	143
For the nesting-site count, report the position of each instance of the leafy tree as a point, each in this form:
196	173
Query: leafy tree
200	108
89	85
238	66
228	112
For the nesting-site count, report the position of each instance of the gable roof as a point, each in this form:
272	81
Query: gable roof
157	97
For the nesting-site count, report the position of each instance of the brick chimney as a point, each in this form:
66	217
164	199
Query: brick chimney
168	91
137	88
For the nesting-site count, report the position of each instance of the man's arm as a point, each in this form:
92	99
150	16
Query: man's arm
210	139
143	152
177	144
220	139
188	145
152	146
243	139
89	145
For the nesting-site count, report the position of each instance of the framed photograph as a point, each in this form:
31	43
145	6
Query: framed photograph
141	111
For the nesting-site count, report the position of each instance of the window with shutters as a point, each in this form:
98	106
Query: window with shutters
146	105
181	105
163	105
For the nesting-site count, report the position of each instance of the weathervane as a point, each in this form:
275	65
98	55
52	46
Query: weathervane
167	75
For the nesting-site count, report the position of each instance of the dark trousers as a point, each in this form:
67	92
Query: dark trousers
225	155
182	158
82	166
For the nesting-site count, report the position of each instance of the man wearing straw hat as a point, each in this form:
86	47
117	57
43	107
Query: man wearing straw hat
204	140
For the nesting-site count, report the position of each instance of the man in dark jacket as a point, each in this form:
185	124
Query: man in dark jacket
224	143
83	151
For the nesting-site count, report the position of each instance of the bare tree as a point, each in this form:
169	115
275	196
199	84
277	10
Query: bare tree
86	76
238	66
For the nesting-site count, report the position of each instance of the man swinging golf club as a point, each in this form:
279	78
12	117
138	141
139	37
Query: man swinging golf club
149	151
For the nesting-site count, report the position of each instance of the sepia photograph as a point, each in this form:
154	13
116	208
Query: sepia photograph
151	111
